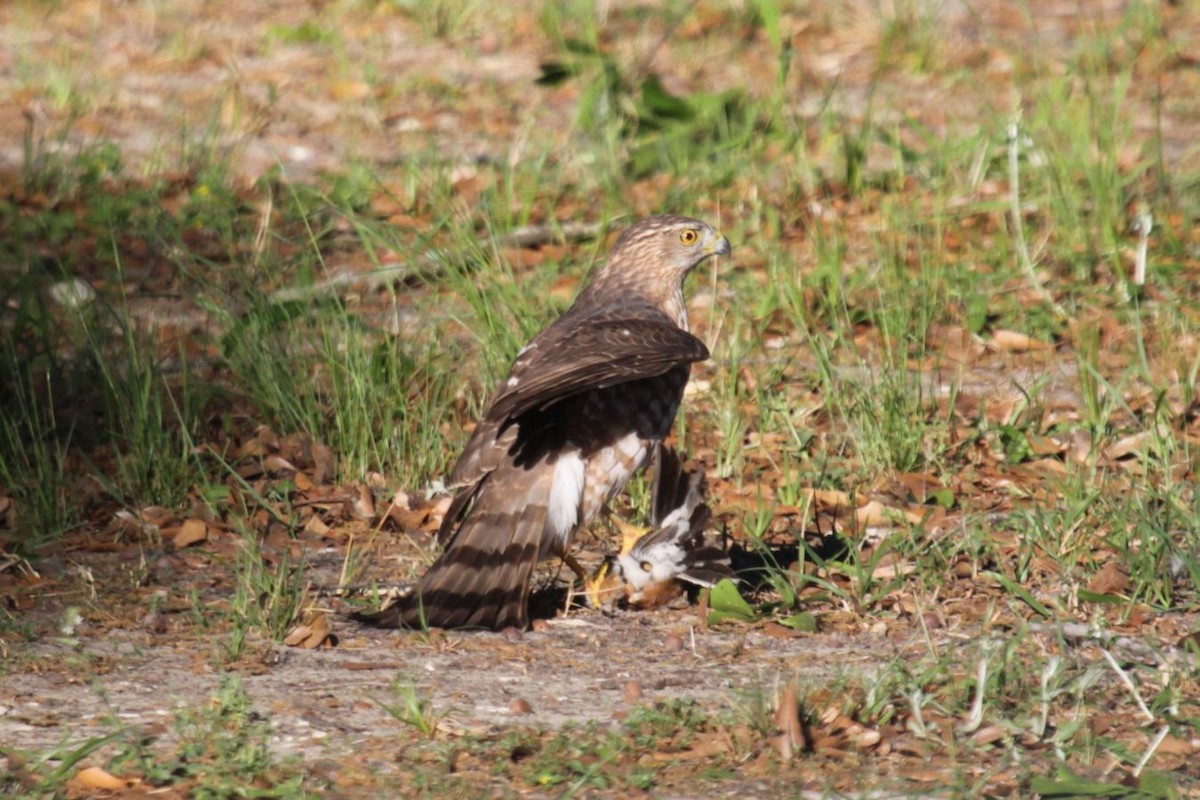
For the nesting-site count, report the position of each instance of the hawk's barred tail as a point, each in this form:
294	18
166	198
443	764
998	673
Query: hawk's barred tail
483	578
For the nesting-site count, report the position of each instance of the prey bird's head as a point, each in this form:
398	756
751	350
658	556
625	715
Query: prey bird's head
651	564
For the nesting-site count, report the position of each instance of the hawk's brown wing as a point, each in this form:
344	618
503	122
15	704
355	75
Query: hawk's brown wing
602	354
572	356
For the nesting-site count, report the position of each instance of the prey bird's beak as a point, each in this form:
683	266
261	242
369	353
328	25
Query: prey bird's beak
720	247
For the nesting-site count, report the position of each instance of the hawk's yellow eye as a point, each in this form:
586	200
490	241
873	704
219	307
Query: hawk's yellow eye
689	236
647	566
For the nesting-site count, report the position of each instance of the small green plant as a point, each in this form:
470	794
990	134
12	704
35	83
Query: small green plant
267	597
441	19
223	750
46	774
662	131
413	708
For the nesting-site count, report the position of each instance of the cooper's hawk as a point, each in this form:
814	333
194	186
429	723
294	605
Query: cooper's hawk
651	564
585	404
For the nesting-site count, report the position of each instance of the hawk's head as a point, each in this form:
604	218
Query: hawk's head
652	258
668	243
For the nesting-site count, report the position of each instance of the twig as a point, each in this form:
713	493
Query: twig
1014	186
1077	633
1128	682
1049	673
1143	224
432	262
1149	754
975	719
916	723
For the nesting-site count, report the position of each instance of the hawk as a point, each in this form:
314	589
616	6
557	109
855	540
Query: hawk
647	572
585	404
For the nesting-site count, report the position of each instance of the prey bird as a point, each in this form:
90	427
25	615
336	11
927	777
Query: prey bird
586	403
652	564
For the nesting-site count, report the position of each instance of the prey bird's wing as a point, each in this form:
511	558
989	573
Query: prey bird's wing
676	543
678	512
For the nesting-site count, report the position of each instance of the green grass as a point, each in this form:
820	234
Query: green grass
218	749
222	749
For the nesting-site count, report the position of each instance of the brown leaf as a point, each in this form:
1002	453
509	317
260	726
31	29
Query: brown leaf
988	734
828	499
363	506
250	449
1111	579
1045	445
1134	445
277	465
787	719
891	566
310	636
298	635
317	527
918	485
1174	746
875	515
192	531
777	631
96	778
956	344
324	463
1041	468
868	739
1016	342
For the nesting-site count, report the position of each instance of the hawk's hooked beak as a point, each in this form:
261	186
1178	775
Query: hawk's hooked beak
720	247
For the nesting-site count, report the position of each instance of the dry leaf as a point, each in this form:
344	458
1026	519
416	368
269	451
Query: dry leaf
298	635
988	734
364	506
876	515
1041	468
1174	746
777	631
787	719
1045	445
310	636
317	527
192	531
919	484
1137	444
96	778
278	465
827	499
1111	579
324	463
885	572
1015	342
